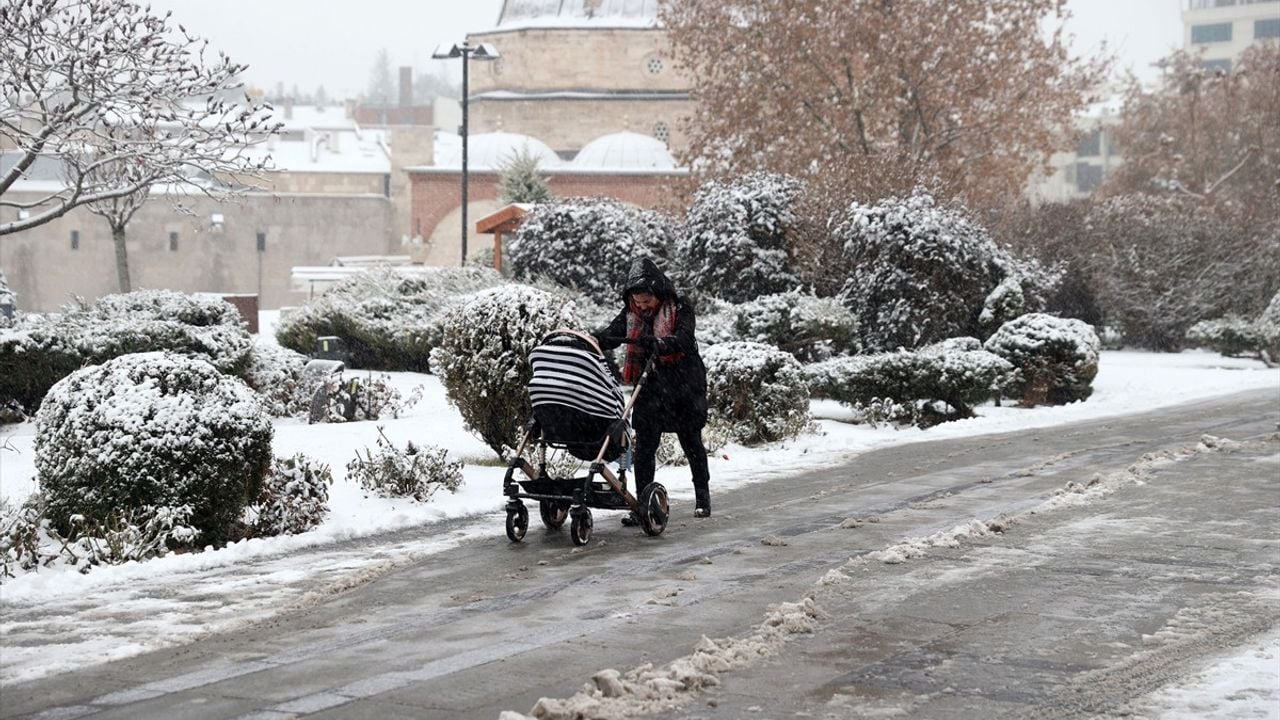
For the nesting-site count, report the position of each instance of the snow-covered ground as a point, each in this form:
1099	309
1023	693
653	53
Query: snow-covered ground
254	579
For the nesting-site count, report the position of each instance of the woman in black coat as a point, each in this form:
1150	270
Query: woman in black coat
674	396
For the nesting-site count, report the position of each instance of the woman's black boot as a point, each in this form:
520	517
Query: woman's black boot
702	500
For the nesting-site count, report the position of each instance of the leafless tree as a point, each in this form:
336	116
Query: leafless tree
1205	134
121	101
878	96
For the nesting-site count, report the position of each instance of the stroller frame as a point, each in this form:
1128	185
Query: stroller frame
573	498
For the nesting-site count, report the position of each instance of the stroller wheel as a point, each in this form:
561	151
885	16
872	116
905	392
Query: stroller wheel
517	521
553	513
580	526
654	509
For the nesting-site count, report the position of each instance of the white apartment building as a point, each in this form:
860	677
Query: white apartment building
1221	29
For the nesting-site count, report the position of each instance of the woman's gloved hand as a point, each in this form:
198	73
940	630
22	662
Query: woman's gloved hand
649	343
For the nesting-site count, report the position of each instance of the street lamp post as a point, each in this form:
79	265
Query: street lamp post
466	51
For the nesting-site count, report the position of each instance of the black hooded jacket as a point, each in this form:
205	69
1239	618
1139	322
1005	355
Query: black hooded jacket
674	396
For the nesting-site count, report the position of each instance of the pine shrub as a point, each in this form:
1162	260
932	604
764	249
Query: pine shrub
294	497
152	429
587	244
756	391
735	241
1056	358
483	355
809	327
920	272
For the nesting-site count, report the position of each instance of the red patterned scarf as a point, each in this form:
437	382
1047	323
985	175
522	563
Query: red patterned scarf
664	325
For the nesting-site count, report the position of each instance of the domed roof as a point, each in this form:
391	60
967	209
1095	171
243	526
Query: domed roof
492	150
577	12
625	151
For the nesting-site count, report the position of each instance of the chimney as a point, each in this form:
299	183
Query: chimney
406	86
349	106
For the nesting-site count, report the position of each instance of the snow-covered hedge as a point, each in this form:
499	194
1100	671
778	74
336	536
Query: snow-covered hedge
1056	358
734	242
388	318
587	244
1269	325
756	391
920	272
152	429
294	497
414	472
809	327
276	373
483	355
957	372
1232	336
40	350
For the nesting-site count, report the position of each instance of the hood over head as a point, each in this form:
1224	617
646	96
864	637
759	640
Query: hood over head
645	276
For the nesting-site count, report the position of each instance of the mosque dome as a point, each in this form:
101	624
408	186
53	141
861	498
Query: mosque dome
561	13
492	150
624	151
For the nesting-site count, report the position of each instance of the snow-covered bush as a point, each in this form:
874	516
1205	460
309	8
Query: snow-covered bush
809	327
276	373
483	357
587	244
415	472
29	541
714	437
734	243
756	391
1232	336
1162	264
920	272
40	350
294	497
1269	326
1056	358
152	429
905	385
388	318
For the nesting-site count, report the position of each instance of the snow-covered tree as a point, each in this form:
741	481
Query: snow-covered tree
756	391
587	244
880	96
735	241
1056	358
920	271
483	355
152	429
120	100
381	92
519	180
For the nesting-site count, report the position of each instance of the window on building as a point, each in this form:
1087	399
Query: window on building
1269	28
1090	145
1217	32
1088	177
1213	65
75	239
173	242
262	242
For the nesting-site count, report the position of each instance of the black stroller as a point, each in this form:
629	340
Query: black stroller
578	407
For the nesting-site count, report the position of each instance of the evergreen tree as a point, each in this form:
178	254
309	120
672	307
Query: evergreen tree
520	182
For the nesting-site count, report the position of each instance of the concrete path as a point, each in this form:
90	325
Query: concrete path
1047	619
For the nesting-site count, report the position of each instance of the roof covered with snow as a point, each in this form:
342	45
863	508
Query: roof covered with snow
492	150
625	151
329	151
519	14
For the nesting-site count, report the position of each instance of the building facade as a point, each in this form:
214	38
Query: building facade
1222	29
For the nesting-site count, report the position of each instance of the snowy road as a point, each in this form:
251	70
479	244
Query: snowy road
1095	599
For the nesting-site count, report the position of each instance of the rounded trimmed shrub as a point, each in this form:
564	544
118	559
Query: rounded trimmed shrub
276	373
1232	336
483	357
809	327
1056	358
587	244
756	391
152	429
